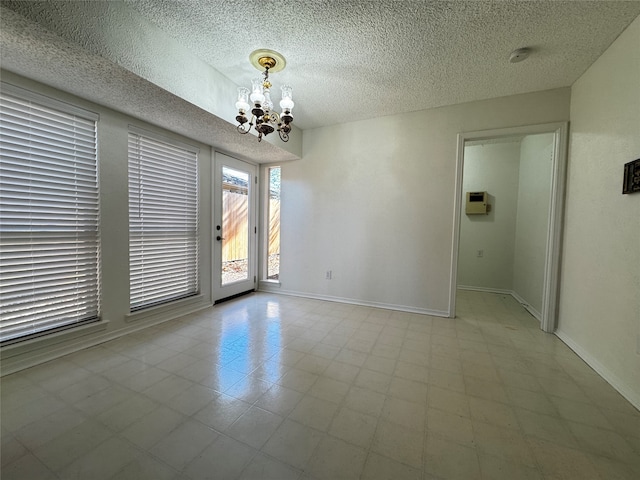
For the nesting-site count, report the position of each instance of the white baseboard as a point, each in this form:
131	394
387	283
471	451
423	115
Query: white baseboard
269	287
611	378
351	301
527	307
518	298
484	289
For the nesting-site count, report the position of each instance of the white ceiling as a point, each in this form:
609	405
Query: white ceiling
346	60
353	59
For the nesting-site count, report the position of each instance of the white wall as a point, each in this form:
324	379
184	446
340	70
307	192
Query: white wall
115	318
532	221
599	314
490	167
373	202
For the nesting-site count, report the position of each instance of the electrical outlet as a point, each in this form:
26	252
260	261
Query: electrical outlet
480	253
328	275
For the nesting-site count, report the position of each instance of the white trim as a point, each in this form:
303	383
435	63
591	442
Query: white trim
623	389
220	160
271	286
548	317
526	306
350	301
264	204
263	235
48	339
552	257
485	289
163	308
455	242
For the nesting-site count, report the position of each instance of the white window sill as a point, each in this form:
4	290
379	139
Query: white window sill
50	339
177	306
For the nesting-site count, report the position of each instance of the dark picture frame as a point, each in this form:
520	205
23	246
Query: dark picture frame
631	182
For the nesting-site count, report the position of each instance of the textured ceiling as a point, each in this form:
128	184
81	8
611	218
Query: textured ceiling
44	56
346	60
351	59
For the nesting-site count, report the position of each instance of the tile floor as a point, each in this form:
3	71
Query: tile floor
276	387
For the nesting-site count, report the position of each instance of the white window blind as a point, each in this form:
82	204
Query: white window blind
49	240
163	221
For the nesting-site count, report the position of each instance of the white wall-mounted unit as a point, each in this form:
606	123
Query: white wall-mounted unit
477	203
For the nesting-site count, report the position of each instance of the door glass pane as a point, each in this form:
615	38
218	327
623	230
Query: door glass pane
235	225
273	246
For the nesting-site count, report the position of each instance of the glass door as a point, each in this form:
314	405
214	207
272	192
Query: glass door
234	234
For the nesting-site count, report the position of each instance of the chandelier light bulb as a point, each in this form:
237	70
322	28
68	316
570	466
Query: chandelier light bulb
257	94
268	104
286	104
243	99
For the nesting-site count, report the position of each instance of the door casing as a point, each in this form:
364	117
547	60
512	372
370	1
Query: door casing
221	292
560	130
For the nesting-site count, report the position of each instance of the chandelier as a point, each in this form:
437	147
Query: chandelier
263	119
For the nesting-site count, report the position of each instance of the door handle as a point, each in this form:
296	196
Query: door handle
218	238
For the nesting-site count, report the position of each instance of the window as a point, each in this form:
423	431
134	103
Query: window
236	219
163	220
273	228
49	239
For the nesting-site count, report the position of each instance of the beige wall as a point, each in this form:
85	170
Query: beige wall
372	201
599	313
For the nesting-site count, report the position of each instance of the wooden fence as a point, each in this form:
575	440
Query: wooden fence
235	229
236	234
274	226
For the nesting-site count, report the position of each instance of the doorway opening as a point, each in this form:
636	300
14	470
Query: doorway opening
508	208
234	212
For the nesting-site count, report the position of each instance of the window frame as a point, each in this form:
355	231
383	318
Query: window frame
266	212
138	307
74	161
